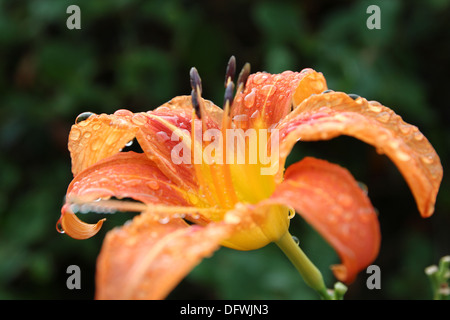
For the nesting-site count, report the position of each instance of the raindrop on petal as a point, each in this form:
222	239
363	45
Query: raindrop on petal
249	99
83	116
154	185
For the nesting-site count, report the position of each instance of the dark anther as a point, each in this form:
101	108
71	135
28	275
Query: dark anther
83	116
231	70
353	96
328	91
196	82
243	76
195	103
228	96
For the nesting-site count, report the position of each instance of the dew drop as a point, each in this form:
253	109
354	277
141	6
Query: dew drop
129	143
139	119
162	136
254	114
154	185
249	99
345	200
317	85
240	117
259	78
353	96
87	135
267	89
192	198
59	227
418	136
96	126
405	128
291	213
363	187
74	134
402	156
375	108
383	117
123	113
164	220
427	159
232	219
297	242
96	144
83	116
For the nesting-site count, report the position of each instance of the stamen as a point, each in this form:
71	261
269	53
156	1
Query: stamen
231	70
196	81
228	96
196	84
195	103
243	76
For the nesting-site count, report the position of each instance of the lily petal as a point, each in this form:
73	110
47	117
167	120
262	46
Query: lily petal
267	98
147	259
328	115
125	175
101	136
328	197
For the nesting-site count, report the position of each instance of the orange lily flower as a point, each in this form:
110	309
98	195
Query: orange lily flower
190	208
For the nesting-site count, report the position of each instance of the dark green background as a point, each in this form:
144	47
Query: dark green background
137	55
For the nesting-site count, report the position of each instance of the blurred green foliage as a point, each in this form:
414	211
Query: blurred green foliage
137	54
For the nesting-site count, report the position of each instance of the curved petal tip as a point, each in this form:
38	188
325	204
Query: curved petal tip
75	228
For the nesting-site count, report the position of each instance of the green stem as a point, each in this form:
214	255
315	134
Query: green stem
305	267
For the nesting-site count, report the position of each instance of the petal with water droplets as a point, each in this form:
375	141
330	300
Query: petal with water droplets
98	137
325	116
147	259
329	198
267	98
124	175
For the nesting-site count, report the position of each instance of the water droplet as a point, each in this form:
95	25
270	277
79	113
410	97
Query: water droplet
418	136
291	213
87	135
317	85
297	242
83	116
139	119
254	114
96	126
162	136
306	70
129	143
96	144
123	113
363	187
249	99
375	108
267	89
59	227
353	96
164	220
383	117
240	117
232	218
192	198
405	128
402	156
74	134
259	78
345	200
154	185
427	159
